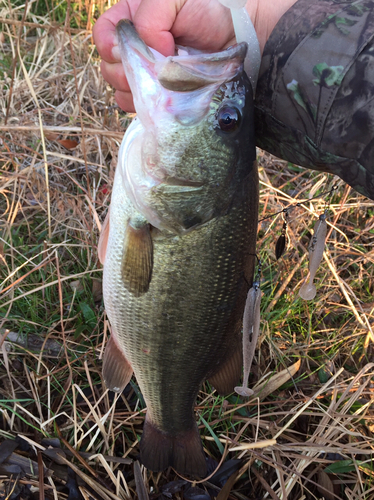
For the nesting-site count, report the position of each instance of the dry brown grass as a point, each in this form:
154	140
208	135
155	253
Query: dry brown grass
310	438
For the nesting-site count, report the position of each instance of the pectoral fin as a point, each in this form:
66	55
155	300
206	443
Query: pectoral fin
137	260
117	370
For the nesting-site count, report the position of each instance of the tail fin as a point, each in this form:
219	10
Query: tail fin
183	451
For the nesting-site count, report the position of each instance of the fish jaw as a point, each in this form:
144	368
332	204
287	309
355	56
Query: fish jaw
138	62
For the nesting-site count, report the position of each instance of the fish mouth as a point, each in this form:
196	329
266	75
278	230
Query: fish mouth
177	182
164	83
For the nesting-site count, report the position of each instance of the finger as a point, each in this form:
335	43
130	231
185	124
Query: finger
104	30
125	101
104	38
154	19
114	74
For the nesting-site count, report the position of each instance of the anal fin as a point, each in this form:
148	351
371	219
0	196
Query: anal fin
182	451
228	375
117	370
137	260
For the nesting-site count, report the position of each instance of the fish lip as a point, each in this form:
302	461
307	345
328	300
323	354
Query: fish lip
191	72
126	33
182	73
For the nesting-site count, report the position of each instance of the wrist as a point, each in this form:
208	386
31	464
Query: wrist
265	15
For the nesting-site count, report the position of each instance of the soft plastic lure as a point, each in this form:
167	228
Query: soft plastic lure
316	247
245	32
251	329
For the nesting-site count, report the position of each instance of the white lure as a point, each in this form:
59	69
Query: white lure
316	247
245	32
251	329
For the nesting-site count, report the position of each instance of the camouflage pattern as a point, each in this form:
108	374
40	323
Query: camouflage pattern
315	94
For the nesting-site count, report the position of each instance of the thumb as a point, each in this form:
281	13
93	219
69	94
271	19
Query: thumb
104	30
154	20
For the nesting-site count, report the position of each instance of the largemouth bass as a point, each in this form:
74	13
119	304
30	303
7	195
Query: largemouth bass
179	245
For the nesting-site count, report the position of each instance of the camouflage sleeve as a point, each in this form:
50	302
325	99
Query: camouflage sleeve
315	93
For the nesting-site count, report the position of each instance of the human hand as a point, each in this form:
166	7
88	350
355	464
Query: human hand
202	24
161	25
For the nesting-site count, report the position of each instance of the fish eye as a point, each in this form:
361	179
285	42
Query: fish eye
228	118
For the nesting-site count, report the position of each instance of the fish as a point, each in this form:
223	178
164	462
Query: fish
178	246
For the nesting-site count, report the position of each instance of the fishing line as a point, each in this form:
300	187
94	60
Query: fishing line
300	203
317	241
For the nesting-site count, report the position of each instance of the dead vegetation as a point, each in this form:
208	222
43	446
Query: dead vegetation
308	433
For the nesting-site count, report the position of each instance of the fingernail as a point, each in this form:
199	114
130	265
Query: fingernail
115	53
